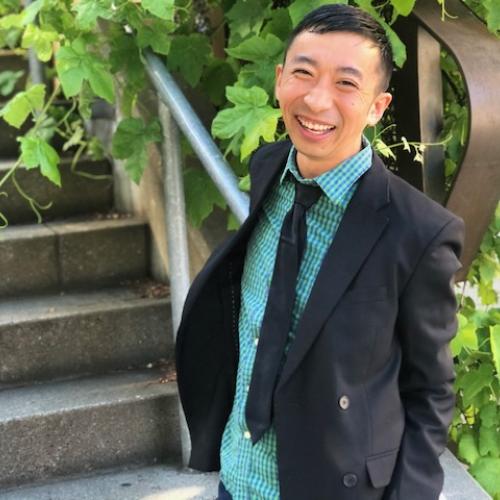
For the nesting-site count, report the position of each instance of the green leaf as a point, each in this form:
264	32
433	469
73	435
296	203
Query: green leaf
12	21
40	40
125	58
70	70
488	414
74	64
130	141
495	347
7	6
487	268
466	336
256	49
279	24
101	81
164	9
474	381
492	15
244	183
36	152
154	33
382	148
265	53
23	18
217	76
232	222
136	164
10	38
188	55
398	47
250	113
487	293
75	138
485	470
88	11
449	167
300	8
22	104
201	195
403	7
31	11
467	448
489	441
8	80
247	16
85	100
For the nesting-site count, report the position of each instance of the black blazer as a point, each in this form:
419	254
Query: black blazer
365	397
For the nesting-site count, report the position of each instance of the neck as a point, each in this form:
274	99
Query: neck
309	167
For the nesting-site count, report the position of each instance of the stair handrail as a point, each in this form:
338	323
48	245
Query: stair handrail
201	141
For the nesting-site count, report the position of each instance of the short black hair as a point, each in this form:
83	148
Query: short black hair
339	17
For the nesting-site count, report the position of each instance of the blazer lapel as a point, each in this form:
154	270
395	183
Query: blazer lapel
361	226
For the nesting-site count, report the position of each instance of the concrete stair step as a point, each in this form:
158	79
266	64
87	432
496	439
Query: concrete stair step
79	195
66	254
156	482
69	334
79	426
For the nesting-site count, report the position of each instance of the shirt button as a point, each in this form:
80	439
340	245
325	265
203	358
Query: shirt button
256	341
247	388
247	435
350	480
344	402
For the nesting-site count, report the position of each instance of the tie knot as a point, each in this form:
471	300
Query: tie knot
306	194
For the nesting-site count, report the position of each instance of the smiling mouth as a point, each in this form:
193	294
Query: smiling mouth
314	127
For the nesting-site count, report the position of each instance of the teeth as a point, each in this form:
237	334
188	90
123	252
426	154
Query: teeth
317	127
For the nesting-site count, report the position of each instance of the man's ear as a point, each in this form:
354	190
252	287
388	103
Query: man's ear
277	83
379	105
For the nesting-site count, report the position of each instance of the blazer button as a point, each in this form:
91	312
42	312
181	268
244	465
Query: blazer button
344	402
350	480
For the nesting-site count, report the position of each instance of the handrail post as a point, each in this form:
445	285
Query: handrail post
35	66
177	245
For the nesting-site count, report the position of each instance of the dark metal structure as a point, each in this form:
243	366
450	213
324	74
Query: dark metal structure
476	187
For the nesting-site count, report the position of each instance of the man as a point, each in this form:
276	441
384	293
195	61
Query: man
331	377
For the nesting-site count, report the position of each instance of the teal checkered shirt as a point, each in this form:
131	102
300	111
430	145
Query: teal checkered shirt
251	472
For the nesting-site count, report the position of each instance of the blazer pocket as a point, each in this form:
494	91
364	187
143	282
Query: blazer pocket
380	467
366	294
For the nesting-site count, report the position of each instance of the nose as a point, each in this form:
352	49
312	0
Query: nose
319	98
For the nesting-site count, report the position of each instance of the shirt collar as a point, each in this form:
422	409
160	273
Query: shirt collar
335	183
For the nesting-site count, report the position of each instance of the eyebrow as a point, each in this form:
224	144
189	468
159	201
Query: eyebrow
343	69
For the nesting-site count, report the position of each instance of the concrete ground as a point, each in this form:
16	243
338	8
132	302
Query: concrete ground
149	483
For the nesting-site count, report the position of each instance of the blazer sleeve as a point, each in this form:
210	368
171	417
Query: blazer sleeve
426	323
252	167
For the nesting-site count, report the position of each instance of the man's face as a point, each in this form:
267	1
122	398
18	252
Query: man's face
328	91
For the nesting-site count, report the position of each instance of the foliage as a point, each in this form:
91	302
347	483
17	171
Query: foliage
8	81
476	423
96	56
226	50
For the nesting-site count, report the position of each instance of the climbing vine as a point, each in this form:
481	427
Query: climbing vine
226	50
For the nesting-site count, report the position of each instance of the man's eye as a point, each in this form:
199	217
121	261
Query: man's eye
347	83
301	71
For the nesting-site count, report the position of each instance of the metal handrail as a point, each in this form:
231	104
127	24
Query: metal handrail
201	141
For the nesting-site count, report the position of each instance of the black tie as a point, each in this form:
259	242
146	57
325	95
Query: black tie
278	314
